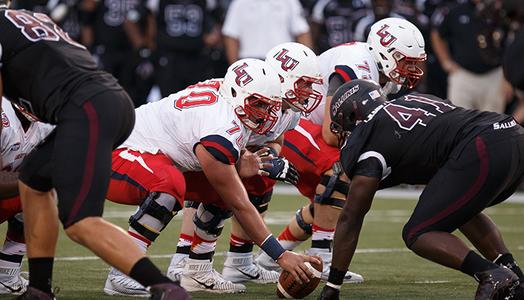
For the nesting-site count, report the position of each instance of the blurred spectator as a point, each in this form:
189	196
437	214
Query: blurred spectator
217	53
333	21
119	33
468	43
253	27
408	11
184	29
436	77
32	5
65	13
381	9
513	71
308	7
68	15
429	7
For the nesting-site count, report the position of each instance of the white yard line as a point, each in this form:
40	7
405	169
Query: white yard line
362	251
220	254
431	281
391	193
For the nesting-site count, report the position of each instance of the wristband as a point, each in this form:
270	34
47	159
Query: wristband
272	247
336	277
334	286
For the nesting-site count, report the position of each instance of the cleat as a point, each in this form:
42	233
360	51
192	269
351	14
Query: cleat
240	267
32	293
12	283
176	267
495	284
266	262
326	256
199	276
168	291
119	284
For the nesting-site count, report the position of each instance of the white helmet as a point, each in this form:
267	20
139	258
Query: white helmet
297	66
398	48
252	87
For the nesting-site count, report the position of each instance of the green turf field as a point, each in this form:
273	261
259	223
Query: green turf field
389	269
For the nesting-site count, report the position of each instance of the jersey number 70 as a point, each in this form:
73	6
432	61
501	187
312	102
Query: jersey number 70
203	93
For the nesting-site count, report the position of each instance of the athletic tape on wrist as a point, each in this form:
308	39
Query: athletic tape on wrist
332	285
272	247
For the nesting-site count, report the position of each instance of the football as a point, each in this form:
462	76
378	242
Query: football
289	288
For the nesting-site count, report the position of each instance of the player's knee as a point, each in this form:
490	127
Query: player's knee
300	218
82	230
209	221
409	235
335	191
261	203
153	215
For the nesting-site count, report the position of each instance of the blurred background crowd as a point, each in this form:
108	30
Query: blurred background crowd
166	45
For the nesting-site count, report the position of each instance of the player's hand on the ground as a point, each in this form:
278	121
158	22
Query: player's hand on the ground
294	264
329	293
282	170
252	163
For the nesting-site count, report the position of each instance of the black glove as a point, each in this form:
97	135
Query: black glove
329	293
282	170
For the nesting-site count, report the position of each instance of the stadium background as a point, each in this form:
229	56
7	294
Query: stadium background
391	271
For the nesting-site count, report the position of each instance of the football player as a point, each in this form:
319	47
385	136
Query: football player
204	127
392	55
57	81
19	136
468	160
298	70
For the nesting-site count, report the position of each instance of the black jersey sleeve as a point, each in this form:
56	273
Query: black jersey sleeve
353	147
370	167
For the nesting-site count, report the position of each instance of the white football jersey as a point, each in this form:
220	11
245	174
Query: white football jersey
348	60
177	123
15	143
287	121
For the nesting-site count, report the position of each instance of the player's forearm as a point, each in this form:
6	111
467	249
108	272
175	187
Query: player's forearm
237	200
251	222
358	203
305	39
232	47
440	47
133	33
151	32
315	33
346	239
